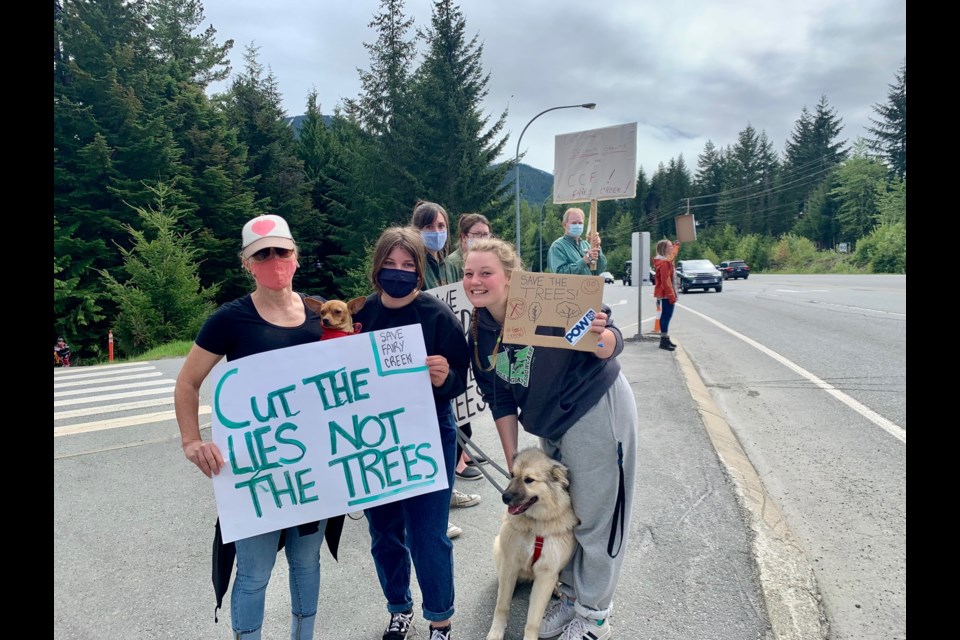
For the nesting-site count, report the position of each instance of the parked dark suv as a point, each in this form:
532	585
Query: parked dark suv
698	274
733	269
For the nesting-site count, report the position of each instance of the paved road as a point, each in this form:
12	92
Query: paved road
133	525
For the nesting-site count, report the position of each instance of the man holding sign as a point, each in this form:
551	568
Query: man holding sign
570	253
415	528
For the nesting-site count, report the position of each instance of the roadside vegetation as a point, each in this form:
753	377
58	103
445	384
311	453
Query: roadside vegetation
154	178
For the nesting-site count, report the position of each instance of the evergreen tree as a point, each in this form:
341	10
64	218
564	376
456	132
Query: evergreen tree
857	183
385	86
253	105
451	145
810	155
161	298
196	59
890	129
383	111
741	203
108	136
313	149
708	184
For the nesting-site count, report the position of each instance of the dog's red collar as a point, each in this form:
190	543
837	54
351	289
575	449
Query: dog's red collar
537	548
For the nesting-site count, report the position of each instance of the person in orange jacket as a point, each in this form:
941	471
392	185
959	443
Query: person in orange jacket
663	267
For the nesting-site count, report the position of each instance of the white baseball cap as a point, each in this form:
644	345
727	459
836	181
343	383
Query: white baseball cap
266	231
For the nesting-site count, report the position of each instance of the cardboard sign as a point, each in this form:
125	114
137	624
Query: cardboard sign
468	405
325	428
599	164
553	310
686	228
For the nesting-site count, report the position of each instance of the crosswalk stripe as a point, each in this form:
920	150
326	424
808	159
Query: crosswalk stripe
128	421
113	408
111	396
78	383
99	369
115	387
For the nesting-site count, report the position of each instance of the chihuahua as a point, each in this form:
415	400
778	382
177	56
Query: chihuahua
336	316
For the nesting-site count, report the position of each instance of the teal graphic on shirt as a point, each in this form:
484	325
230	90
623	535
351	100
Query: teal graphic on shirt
515	368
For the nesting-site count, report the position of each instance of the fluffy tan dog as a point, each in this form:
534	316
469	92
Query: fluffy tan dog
336	316
536	537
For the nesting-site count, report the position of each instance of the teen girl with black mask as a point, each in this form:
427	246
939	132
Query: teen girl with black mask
416	528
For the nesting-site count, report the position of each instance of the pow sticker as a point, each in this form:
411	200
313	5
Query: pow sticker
580	328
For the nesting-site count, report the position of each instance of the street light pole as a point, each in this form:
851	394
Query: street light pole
542	205
586	105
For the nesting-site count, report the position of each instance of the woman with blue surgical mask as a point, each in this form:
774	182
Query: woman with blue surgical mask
434	224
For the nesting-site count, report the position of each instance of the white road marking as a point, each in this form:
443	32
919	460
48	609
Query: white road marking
802	290
116	387
129	421
100	369
113	408
78	383
111	396
893	429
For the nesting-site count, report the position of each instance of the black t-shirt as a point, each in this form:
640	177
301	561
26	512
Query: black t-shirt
236	330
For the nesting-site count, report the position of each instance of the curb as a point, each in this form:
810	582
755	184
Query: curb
789	586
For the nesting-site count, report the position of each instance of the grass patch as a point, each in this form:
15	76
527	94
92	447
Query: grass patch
177	349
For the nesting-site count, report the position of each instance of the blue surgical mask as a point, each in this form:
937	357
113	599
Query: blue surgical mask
576	230
397	283
434	240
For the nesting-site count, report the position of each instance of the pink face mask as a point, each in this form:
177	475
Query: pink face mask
275	273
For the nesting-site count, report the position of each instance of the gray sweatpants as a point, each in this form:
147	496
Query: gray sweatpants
589	451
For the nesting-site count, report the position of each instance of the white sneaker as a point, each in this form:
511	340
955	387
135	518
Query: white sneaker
558	614
453	530
582	629
461	499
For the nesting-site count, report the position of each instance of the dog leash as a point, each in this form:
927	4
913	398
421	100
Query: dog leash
475	452
620	510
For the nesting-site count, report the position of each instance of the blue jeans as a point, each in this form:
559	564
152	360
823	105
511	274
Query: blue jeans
666	312
255	559
416	528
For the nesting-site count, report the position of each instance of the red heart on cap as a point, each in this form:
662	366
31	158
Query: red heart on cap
263	227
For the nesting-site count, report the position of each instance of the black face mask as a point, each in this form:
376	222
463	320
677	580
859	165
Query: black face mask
397	283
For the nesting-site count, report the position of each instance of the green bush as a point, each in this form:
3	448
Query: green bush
884	250
161	298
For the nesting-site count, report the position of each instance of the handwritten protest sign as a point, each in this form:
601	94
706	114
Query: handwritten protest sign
321	429
599	164
553	310
468	405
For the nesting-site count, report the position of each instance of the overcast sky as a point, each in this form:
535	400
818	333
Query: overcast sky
686	71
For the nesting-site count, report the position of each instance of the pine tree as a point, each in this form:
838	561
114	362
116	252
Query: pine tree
451	145
383	112
810	155
708	183
859	183
160	299
384	87
253	105
890	130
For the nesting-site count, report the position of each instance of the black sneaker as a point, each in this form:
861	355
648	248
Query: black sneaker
441	633
399	626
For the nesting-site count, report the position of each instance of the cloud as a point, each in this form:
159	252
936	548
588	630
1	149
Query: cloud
685	71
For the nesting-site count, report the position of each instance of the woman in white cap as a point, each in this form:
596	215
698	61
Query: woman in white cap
274	316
